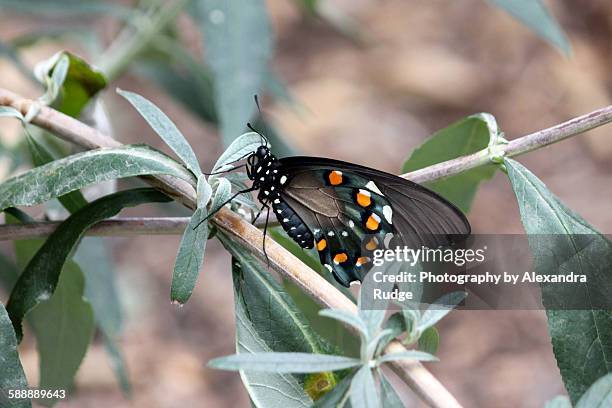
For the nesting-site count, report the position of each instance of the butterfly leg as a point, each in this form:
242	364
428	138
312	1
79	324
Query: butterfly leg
265	234
247	190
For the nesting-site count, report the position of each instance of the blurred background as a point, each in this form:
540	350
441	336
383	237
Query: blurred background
364	81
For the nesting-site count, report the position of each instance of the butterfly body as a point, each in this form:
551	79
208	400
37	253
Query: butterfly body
346	211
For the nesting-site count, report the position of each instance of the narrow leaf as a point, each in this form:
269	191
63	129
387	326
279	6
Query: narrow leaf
598	395
12	376
38	281
223	192
165	128
388	395
466	136
203	192
284	362
407	355
239	148
82	83
265	389
439	309
72	201
560	401
535	15
64	326
581	339
238	43
190	257
347	318
363	389
429	340
77	171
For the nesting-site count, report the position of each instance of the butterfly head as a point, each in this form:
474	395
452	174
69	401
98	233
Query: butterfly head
260	163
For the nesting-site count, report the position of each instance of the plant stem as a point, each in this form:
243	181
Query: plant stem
423	383
133	39
112	227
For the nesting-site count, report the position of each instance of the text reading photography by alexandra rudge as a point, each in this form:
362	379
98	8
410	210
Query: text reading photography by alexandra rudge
325	281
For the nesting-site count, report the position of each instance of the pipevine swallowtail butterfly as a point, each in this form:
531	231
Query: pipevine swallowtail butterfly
346	211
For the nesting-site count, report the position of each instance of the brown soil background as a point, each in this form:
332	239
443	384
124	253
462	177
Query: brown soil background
426	64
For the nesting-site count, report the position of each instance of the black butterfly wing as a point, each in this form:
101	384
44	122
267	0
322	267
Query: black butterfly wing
352	210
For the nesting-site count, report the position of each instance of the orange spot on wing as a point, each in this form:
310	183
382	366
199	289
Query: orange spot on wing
372	244
363	198
340	258
321	245
372	222
335	177
362	260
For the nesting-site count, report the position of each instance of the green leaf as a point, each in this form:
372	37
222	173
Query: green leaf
72	201
38	281
190	257
239	148
284	362
203	192
83	82
535	15
363	389
439	309
388	396
560	401
95	258
70	83
165	128
12	376
8	273
265	389
407	355
77	171
464	137
347	318
581	339
270	309
238	41
64	327
268	320
429	340
223	192
598	395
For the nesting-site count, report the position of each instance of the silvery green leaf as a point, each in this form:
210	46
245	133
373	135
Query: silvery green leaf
439	309
560	401
223	192
77	171
535	15
239	148
407	355
388	395
190	257
10	112
165	128
598	395
373	344
347	318
363	389
238	40
429	341
203	192
284	362
12	376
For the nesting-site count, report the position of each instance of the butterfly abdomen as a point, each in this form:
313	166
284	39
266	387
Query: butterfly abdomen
292	224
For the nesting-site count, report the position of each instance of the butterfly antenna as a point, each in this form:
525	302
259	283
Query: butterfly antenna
261	116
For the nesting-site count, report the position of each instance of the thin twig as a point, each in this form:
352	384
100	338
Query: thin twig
125	227
423	383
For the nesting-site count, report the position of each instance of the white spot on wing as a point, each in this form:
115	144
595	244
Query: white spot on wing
328	267
344	234
387	240
351	224
277	201
283	179
330	233
388	213
372	186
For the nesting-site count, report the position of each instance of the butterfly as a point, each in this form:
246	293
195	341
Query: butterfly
347	211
